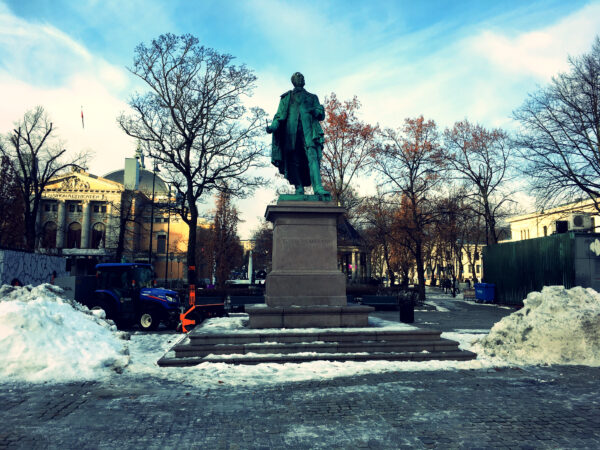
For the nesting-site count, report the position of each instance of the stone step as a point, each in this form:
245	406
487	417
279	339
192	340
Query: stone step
187	350
199	337
460	355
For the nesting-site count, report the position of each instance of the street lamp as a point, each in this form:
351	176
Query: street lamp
152	211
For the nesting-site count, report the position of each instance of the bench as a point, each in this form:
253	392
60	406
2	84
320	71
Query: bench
239	302
380	301
469	293
209	300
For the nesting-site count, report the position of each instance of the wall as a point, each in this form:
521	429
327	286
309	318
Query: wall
30	268
518	268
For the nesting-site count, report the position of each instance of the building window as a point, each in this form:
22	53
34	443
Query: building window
99	208
161	244
49	235
75	207
47	207
74	235
478	267
98	235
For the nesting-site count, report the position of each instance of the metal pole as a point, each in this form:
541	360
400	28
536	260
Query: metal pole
168	232
152	215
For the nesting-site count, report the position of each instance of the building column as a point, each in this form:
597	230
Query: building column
359	268
85	225
354	272
109	242
60	225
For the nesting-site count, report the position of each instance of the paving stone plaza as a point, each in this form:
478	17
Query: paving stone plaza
525	407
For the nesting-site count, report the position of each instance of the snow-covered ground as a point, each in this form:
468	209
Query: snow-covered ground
45	338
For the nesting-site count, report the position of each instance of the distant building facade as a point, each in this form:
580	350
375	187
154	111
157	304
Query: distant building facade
576	216
83	217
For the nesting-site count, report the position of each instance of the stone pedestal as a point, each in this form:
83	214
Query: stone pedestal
305	288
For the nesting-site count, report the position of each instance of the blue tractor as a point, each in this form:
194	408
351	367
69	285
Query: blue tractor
126	292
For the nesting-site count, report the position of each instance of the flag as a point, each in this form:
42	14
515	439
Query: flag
82	124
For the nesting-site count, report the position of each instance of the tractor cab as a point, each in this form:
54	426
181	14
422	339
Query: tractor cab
126	292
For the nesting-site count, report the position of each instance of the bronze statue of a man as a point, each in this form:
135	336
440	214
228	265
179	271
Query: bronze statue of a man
298	137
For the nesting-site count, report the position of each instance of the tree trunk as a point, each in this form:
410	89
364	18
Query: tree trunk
29	229
191	251
420	269
121	240
490	229
386	255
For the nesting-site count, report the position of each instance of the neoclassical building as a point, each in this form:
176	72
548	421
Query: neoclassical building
83	217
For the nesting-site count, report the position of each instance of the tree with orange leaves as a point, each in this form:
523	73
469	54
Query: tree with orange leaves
411	162
348	142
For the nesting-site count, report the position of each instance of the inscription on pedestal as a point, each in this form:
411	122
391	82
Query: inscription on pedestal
294	244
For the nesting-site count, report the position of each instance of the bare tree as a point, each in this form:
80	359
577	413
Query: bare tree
128	222
559	139
228	252
11	208
482	159
263	246
377	221
194	122
36	156
348	142
410	164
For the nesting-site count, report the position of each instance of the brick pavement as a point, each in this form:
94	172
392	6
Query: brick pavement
552	407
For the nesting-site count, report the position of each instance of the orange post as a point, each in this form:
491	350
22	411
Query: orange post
192	300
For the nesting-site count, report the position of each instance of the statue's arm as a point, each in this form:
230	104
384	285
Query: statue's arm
318	111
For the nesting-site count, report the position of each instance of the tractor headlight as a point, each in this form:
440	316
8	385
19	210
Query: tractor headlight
171	299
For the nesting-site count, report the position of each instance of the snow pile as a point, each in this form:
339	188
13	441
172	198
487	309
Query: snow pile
556	326
45	337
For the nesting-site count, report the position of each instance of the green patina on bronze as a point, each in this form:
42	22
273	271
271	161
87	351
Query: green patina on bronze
297	145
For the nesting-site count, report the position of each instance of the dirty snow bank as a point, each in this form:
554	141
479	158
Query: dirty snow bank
45	337
556	326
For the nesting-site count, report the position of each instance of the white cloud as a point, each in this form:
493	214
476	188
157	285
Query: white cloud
42	65
540	53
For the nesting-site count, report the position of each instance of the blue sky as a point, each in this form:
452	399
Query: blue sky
445	60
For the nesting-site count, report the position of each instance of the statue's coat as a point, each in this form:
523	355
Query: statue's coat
309	112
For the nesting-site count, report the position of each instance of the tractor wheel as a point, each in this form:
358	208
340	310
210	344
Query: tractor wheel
149	320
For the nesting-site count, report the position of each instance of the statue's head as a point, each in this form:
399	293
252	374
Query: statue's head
298	80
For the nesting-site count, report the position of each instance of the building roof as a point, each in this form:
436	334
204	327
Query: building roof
145	184
347	234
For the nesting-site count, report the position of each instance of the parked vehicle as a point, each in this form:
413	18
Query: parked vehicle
126	292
